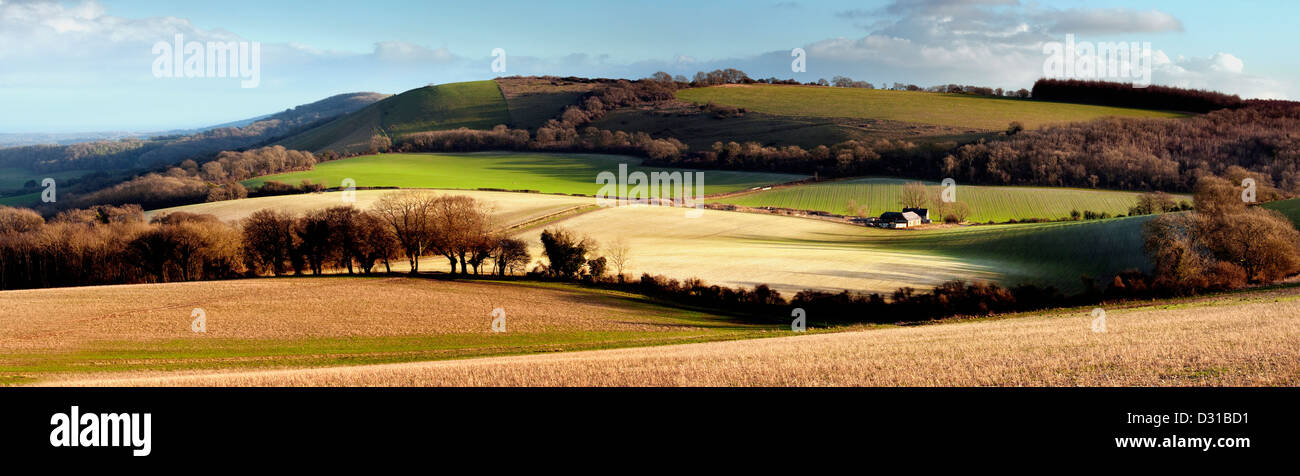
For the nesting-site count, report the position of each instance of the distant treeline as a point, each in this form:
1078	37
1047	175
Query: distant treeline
1107	93
190	182
1257	139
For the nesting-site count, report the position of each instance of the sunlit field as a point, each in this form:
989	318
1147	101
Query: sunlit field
549	173
791	254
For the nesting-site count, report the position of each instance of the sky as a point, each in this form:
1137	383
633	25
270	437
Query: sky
89	65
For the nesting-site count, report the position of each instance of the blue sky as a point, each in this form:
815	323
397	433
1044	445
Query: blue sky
78	65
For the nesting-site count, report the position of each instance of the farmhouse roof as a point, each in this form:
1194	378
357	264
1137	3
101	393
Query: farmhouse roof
910	216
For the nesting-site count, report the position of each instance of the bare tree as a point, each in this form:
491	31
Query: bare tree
410	215
914	195
620	255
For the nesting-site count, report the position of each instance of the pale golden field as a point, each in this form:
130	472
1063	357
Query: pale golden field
510	208
746	249
319	321
1246	340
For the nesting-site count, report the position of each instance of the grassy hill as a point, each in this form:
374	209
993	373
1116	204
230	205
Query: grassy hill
970	113
548	173
475	104
995	203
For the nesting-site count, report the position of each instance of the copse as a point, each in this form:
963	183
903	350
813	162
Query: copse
566	252
1223	244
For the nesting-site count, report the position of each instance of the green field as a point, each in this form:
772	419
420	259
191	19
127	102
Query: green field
999	204
548	173
21	200
475	104
1290	208
975	113
13	178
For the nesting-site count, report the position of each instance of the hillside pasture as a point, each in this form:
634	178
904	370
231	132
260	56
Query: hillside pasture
545	172
474	104
986	203
970	113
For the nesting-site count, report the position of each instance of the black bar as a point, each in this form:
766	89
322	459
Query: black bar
400	423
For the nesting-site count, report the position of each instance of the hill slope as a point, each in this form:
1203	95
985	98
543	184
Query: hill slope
974	113
475	104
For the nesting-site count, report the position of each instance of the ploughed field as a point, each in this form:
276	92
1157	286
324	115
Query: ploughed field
310	322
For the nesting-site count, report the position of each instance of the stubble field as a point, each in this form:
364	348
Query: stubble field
1250	339
311	322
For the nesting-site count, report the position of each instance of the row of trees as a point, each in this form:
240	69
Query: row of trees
191	182
116	245
1109	93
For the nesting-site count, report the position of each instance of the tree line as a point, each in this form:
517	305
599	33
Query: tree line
1109	93
191	182
108	244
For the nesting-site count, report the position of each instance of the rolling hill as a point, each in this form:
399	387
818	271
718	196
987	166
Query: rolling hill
476	105
791	254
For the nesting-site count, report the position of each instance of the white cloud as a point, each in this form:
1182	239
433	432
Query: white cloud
1110	20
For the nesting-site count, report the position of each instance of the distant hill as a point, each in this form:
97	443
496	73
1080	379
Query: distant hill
129	153
476	105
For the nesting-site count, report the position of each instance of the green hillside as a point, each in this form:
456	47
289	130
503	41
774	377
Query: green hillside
975	113
548	173
999	204
476	105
